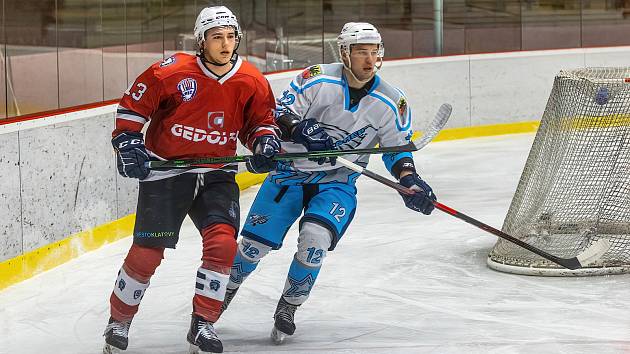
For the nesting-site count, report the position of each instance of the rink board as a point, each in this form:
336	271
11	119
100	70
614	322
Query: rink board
58	170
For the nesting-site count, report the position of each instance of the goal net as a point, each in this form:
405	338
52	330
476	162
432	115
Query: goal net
575	187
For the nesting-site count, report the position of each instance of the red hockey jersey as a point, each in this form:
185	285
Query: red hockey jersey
193	113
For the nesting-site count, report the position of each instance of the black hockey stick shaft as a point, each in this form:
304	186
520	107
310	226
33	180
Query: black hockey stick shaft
438	122
570	263
188	163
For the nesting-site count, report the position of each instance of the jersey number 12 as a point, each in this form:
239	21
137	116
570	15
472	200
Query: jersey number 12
337	212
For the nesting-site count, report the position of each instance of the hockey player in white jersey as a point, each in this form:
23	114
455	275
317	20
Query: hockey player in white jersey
330	106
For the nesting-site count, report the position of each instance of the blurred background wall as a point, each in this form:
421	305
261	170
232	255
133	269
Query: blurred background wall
61	53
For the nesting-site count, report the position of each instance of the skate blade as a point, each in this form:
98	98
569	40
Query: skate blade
277	336
108	349
193	349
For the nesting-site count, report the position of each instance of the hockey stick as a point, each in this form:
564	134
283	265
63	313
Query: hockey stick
441	117
589	255
279	157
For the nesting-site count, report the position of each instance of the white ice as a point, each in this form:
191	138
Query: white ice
399	282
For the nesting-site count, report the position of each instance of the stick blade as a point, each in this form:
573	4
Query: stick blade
444	112
441	117
594	252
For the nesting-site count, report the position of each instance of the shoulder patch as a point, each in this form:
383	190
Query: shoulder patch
168	61
402	106
312	71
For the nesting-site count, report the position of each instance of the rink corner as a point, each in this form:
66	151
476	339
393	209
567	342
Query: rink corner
47	257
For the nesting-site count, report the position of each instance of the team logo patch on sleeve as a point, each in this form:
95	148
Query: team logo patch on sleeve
188	88
167	61
312	72
402	106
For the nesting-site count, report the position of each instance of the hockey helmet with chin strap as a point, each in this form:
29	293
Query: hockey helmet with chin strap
215	16
359	33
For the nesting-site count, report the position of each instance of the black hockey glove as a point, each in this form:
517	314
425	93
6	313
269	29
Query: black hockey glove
131	155
312	135
421	200
265	147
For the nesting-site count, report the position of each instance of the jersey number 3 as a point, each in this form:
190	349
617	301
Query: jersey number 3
137	95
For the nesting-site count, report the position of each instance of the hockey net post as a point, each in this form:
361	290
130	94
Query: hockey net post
575	186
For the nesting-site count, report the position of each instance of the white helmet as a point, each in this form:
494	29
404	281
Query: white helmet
359	33
215	16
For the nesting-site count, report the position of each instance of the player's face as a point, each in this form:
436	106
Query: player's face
219	44
363	58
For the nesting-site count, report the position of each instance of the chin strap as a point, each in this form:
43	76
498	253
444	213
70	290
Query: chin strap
204	60
377	67
232	60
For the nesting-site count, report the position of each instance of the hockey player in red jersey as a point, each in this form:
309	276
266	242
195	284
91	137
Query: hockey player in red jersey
197	106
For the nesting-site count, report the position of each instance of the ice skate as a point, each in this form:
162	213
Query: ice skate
202	337
116	336
283	321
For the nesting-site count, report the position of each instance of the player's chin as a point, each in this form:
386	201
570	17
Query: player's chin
366	74
224	58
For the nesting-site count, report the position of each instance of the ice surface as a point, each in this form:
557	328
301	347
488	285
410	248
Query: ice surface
399	282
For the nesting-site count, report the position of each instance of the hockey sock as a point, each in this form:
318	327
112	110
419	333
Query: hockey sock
313	242
219	248
133	280
299	283
247	257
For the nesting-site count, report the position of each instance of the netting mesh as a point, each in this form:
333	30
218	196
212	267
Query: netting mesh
575	187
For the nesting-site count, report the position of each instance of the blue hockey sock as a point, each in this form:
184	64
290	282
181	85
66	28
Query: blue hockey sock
246	260
300	281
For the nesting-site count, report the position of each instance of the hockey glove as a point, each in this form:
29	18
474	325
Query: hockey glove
131	155
422	200
312	135
265	147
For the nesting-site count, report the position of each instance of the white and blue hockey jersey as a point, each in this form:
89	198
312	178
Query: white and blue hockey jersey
321	92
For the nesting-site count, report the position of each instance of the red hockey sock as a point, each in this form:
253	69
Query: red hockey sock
133	279
219	249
